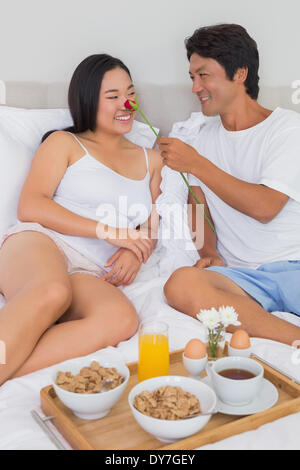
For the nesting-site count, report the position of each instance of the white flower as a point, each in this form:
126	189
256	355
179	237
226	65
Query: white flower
228	316
210	318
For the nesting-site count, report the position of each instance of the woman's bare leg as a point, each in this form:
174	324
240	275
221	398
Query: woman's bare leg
190	289
100	315
36	286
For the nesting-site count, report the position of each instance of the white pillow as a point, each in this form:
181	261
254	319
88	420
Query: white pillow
29	125
15	162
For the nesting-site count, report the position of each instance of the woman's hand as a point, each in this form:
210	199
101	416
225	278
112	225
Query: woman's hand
126	266
136	241
207	261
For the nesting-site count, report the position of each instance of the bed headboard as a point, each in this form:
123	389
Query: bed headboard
162	104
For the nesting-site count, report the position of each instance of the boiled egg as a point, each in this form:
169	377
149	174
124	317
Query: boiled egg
240	340
195	349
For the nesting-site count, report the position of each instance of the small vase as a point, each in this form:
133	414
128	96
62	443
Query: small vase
215	344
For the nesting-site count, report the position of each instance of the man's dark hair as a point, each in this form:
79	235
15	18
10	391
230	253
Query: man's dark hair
232	47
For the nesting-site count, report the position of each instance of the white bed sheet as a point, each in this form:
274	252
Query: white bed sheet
18	397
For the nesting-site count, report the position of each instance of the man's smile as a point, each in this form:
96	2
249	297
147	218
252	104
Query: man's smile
203	98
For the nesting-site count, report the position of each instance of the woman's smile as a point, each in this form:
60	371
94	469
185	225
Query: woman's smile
124	118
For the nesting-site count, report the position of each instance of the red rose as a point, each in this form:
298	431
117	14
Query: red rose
130	104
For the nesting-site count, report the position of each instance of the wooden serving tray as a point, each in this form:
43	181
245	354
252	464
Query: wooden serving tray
119	430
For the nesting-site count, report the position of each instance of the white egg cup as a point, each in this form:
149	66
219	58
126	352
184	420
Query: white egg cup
194	366
239	352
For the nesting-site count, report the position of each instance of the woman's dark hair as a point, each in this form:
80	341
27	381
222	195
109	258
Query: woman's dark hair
83	95
232	47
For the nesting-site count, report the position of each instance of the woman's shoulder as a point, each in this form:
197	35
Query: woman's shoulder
61	142
154	157
58	145
60	136
155	160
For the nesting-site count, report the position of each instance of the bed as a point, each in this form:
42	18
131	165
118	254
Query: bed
18	397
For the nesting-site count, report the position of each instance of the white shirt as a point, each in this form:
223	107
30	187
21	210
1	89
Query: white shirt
267	154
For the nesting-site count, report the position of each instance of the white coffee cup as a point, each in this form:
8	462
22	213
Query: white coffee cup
236	392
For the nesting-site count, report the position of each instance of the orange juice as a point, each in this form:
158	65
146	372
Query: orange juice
153	356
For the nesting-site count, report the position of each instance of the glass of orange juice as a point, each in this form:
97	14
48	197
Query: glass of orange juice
153	350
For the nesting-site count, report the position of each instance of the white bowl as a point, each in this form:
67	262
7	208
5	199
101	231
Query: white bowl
239	352
169	430
194	366
94	405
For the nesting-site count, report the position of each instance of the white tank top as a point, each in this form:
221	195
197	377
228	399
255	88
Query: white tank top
91	189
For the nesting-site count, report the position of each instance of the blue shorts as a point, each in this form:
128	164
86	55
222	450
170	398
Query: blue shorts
276	286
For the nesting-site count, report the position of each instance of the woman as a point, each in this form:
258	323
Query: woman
61	266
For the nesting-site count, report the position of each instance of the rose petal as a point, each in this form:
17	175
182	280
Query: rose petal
130	104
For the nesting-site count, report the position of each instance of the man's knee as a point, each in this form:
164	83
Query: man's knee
183	282
175	282
187	285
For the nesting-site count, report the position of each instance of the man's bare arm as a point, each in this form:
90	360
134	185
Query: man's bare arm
255	200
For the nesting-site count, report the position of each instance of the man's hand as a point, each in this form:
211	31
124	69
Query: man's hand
126	266
208	261
178	155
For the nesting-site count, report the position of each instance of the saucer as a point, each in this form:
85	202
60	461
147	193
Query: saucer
266	398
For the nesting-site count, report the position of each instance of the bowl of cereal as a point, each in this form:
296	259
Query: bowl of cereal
90	388
164	406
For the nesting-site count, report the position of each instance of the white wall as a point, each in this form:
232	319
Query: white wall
45	40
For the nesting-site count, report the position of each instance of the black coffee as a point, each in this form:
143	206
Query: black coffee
237	374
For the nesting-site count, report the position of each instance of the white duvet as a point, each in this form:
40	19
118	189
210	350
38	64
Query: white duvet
18	397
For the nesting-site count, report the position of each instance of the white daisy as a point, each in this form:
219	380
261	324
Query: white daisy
228	316
210	318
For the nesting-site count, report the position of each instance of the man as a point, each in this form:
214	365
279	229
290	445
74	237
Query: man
244	166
